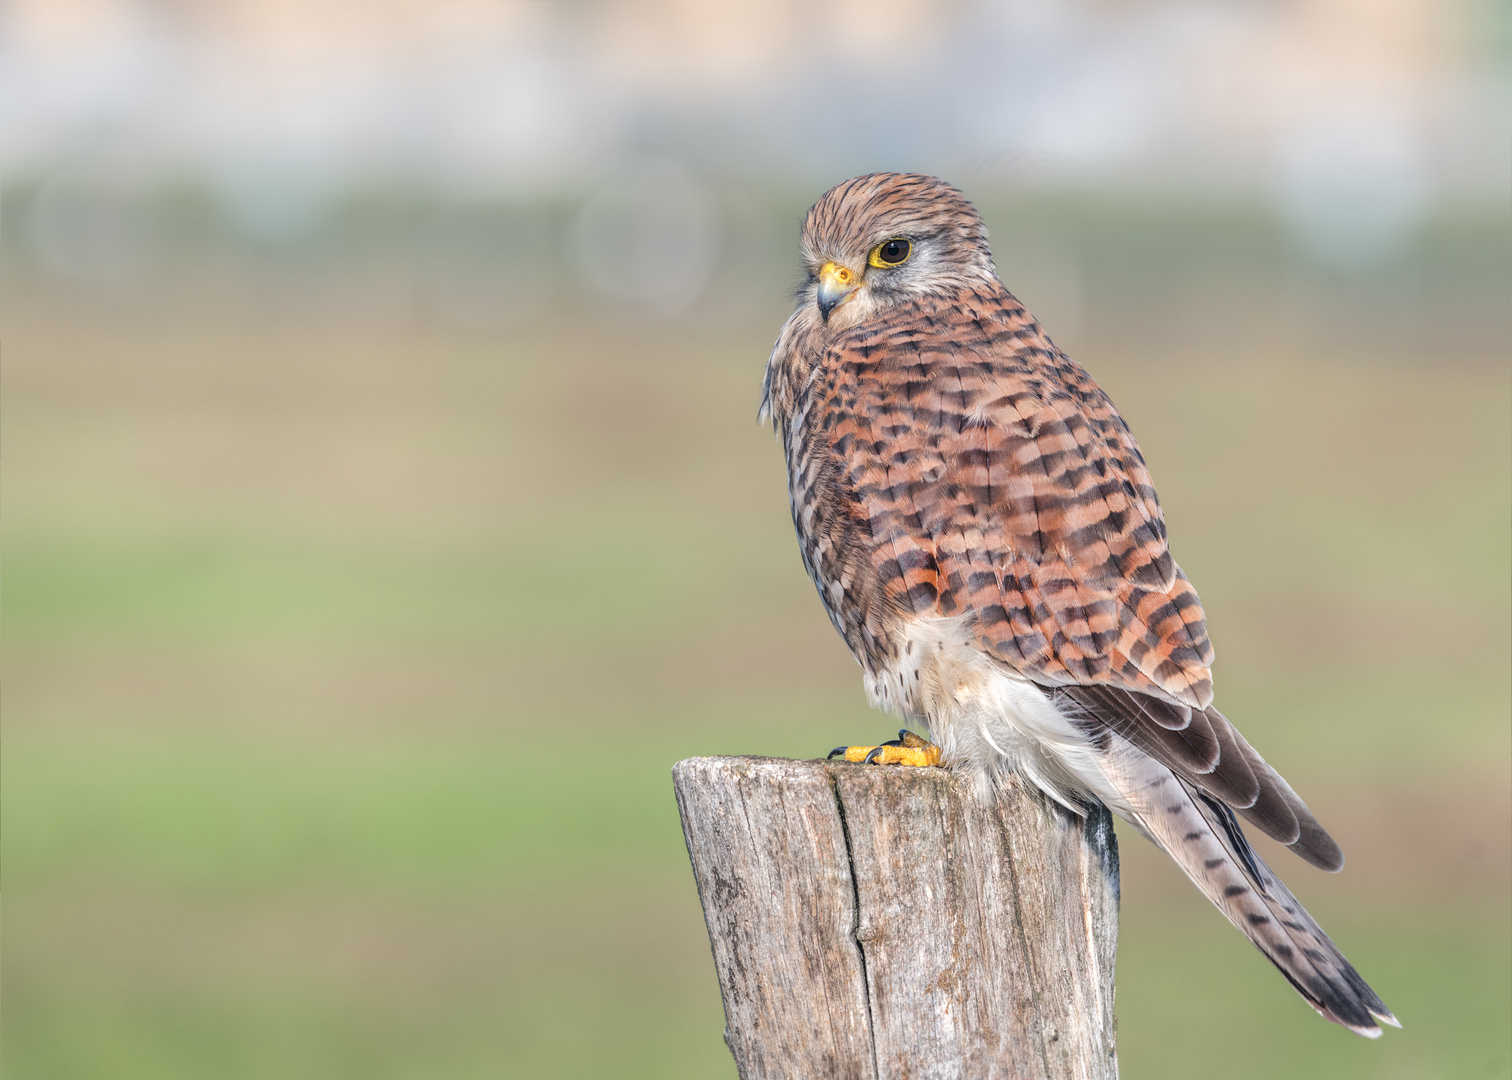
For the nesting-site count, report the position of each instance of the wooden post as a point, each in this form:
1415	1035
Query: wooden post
885	922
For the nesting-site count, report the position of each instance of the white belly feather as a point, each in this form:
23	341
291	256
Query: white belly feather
987	718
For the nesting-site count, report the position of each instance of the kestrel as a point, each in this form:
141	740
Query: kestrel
985	536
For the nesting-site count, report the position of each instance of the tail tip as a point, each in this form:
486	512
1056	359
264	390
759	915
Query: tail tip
1386	1018
1369	1031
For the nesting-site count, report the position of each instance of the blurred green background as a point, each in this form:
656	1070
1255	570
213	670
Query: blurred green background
372	553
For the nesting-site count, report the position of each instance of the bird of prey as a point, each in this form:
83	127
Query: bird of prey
985	536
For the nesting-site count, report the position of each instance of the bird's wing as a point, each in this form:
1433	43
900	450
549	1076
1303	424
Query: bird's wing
1206	751
998	482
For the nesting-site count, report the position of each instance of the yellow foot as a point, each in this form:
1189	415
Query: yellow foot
906	749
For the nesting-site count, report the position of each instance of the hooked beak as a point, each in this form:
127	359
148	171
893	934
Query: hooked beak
836	285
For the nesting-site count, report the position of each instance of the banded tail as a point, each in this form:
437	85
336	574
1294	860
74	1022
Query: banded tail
1203	836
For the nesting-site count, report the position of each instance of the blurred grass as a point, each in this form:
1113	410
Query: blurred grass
345	665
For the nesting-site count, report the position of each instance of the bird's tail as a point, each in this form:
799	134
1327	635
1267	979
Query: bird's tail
1203	836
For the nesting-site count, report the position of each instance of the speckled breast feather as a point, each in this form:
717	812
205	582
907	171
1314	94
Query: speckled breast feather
948	460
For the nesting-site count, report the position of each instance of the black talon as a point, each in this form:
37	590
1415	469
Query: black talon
905	738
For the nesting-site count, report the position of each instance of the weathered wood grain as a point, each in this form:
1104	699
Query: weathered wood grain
886	922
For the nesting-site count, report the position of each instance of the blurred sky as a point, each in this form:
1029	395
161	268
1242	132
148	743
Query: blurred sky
1353	119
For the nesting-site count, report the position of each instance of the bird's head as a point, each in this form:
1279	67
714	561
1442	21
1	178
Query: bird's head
886	238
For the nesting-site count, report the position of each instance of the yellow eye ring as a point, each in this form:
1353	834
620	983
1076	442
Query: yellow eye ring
890	253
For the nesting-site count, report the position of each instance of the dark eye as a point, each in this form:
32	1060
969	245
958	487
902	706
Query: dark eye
892	252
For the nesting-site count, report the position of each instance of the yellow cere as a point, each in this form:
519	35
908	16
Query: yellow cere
835	272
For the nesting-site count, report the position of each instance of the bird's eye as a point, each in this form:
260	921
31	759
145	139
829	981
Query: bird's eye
891	253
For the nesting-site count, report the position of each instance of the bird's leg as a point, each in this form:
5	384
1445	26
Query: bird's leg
906	749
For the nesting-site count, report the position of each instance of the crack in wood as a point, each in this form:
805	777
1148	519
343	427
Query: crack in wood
864	932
